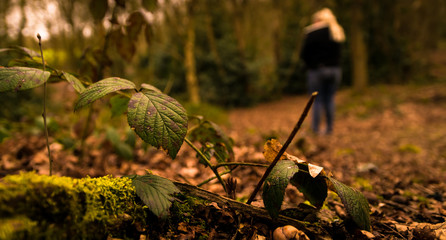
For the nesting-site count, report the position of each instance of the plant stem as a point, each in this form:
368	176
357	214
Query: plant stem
208	163
212	178
100	75
240	164
44	108
284	147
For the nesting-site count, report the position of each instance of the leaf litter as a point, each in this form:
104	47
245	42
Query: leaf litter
406	189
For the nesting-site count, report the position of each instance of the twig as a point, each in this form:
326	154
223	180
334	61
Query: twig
284	147
393	230
44	108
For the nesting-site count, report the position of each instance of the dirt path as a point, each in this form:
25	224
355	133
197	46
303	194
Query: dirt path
390	143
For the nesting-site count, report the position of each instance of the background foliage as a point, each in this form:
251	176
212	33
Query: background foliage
244	51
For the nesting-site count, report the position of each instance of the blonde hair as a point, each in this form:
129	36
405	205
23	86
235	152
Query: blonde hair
326	16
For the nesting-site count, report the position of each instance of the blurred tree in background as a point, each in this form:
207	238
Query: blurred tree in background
230	53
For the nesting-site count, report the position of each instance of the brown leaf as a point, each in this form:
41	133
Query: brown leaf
135	22
271	149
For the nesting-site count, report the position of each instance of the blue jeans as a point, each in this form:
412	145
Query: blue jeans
324	80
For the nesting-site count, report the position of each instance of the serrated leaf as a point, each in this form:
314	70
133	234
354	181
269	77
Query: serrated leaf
156	192
355	203
314	188
21	78
275	184
74	82
149	87
118	105
211	135
158	119
102	88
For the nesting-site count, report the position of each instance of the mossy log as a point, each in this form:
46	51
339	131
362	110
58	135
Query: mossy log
36	206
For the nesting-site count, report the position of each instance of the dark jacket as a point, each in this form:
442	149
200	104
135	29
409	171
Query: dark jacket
320	50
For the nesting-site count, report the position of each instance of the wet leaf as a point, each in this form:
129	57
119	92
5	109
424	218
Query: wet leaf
75	82
102	88
314	188
355	203
156	192
275	184
158	119
21	78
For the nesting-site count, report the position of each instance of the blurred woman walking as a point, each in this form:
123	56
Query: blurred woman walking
321	53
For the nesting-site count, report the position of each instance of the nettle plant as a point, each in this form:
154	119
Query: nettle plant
162	122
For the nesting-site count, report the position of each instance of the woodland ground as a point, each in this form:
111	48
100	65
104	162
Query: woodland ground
389	142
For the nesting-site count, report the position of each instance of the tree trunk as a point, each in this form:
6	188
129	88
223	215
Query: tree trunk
212	43
358	49
238	27
189	57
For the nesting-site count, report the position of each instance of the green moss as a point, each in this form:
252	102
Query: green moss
54	207
363	183
409	148
184	209
16	228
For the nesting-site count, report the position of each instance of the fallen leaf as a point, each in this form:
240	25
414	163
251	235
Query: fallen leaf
314	170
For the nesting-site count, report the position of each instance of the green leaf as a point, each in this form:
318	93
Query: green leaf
23	51
131	138
21	78
149	87
275	184
355	203
75	83
98	8
150	5
158	119
208	132
314	189
102	88
118	105
113	136
156	192
124	150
